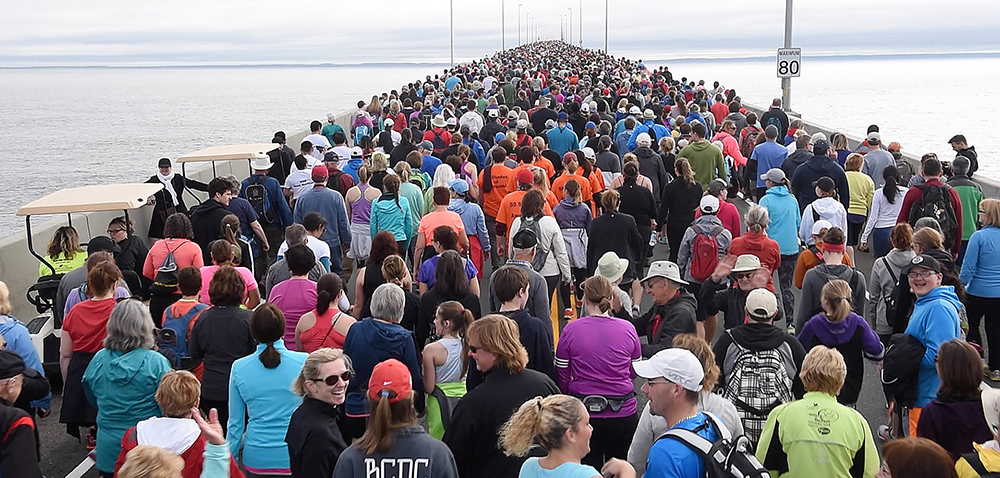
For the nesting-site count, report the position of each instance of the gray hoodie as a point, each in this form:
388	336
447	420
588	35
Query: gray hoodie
880	287
812	287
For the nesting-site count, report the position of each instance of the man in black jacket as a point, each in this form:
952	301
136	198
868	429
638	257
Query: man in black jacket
169	199
673	311
206	218
730	298
816	167
479	415
962	148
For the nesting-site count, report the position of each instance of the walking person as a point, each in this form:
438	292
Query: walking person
782	210
886	203
574	219
980	274
677	205
314	439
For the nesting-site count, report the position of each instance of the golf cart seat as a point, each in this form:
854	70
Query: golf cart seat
42	294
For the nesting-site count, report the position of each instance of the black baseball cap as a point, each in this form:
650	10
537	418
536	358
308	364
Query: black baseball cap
925	261
102	243
524	239
11	364
164	163
825	184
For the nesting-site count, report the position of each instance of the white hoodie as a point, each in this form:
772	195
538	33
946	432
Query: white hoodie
827	208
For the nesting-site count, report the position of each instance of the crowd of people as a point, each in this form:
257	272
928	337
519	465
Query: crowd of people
544	178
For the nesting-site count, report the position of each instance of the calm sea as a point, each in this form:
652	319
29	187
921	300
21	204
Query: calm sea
79	126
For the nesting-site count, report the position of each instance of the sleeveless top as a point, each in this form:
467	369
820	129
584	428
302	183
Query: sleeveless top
451	369
322	334
373	278
361	210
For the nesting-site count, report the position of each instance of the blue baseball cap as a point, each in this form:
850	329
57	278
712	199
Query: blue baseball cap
562	116
459	186
590	125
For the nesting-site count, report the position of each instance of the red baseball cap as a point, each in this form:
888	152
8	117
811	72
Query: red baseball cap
390	375
320	173
525	176
569	157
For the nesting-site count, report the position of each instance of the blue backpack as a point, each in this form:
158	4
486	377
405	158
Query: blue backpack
171	340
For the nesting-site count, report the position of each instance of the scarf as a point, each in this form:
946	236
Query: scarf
167	181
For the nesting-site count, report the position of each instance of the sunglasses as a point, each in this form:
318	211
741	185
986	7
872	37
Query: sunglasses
474	349
743	275
333	379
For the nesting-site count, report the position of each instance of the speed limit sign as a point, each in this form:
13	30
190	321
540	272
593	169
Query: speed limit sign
789	62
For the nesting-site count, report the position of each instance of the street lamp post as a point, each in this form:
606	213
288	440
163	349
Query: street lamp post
605	27
786	83
581	22
503	25
570	25
519	24
451	16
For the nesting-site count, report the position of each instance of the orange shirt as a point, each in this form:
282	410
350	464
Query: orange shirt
585	184
499	175
510	208
434	219
597	181
544	163
552	200
512	182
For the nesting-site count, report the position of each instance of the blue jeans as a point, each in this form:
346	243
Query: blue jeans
880	241
336	259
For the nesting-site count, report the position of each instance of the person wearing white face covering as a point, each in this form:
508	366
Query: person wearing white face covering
169	199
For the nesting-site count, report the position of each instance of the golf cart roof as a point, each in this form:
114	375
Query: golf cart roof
107	197
235	152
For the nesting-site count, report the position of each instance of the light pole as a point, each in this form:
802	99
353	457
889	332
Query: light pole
503	25
570	25
581	22
605	27
519	24
786	83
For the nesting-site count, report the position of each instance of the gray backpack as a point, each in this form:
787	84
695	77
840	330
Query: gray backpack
541	250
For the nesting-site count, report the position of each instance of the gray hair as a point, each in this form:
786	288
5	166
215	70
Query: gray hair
130	327
443	175
295	235
960	165
757	219
387	303
930	222
234	184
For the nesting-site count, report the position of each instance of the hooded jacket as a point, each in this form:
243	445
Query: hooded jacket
730	147
761	245
785	219
813	169
853	338
793	161
955	423
206	221
474	220
880	285
757	336
706	161
826	208
662	322
387	216
651	166
181	436
414	454
812	287
933	322
122	385
352	168
368	343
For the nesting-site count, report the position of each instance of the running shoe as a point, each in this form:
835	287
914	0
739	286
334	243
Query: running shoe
791	329
91	439
568	314
885	433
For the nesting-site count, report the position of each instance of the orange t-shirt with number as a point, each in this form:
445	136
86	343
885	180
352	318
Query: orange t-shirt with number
510	208
585	185
499	176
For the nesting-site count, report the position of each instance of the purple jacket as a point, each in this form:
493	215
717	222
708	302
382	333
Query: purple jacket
594	357
853	338
569	216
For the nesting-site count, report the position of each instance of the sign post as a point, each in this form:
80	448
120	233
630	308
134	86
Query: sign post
789	65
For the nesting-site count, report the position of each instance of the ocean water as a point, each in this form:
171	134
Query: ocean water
79	126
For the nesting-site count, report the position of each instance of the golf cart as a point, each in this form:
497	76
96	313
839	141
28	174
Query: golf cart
44	329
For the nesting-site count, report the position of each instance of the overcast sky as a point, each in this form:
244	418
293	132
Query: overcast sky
129	32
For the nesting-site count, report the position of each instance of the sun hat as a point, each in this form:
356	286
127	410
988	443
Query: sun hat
746	263
677	365
439	122
648	114
611	267
260	162
666	269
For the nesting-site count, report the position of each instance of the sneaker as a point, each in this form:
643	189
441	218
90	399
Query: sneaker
885	433
568	314
791	329
664	240
994	375
91	439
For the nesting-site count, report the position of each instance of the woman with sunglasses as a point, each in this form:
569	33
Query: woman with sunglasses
261	397
314	439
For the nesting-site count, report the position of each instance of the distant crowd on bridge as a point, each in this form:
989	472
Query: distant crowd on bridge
451	284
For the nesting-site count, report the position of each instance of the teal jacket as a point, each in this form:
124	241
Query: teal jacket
387	216
122	385
933	322
783	210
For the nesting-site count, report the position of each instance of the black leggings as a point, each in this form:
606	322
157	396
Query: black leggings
579	275
988	309
221	406
611	439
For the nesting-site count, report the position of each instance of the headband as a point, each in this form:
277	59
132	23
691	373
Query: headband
830	247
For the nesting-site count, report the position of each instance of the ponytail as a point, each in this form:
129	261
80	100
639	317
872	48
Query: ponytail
891	188
684	172
540	421
384	420
267	326
838	294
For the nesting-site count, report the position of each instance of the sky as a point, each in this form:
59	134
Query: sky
129	32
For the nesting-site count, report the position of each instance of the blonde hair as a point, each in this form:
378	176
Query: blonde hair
684	171
146	461
823	370
854	162
927	238
380	161
837	293
541	421
991	212
701	349
310	368
178	393
65	241
364	174
394	269
610	200
500	336
4	298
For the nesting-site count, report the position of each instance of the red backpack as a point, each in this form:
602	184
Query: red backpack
704	252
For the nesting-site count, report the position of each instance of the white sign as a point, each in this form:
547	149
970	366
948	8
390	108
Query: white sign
789	62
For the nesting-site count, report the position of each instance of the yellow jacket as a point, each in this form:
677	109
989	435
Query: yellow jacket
988	455
862	192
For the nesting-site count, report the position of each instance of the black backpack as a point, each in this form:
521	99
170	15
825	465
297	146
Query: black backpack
334	182
165	281
541	250
257	195
900	368
727	457
439	143
935	202
653	143
892	300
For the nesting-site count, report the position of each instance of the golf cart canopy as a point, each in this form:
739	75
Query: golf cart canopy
236	152
109	197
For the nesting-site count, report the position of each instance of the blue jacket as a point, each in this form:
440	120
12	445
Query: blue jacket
265	395
669	458
386	216
785	220
477	149
368	343
19	341
984	243
933	322
330	204
660	130
121	386
562	140
352	168
473	219
769	155
275	198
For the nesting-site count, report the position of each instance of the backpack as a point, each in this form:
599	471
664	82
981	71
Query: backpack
335	184
439	143
891	300
935	202
541	252
728	457
360	131
901	367
773	120
977	465
165	281
905	171
171	340
653	143
757	384
704	252
749	141
257	195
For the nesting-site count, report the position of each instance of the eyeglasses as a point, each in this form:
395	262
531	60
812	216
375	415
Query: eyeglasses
333	379
114	231
743	275
915	274
654	382
474	349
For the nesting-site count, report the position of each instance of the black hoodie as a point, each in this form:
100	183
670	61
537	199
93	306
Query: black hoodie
662	322
757	336
206	220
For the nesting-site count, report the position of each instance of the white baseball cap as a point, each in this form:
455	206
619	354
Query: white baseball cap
588	152
356	152
761	304
666	269
819	225
388	122
643	138
634	110
677	365
709	204
991	409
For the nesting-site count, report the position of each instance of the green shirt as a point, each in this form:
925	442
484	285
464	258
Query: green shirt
330	129
971	196
706	161
819	438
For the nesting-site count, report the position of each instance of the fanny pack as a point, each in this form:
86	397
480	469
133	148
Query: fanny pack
600	403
